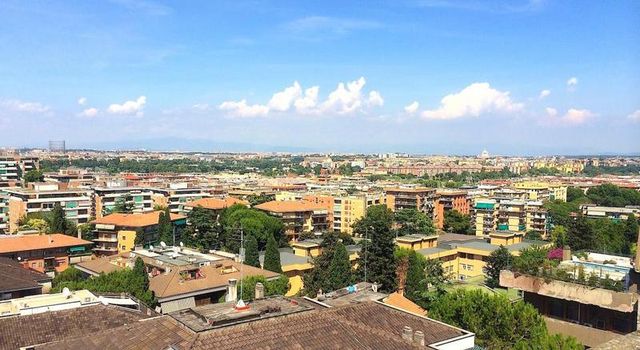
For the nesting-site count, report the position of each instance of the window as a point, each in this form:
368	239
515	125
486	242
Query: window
124	247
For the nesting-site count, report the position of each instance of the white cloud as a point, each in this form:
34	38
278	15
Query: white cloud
375	99
347	98
283	100
474	100
82	101
129	107
89	112
243	110
573	116
544	93
412	108
551	112
635	116
24	106
572	83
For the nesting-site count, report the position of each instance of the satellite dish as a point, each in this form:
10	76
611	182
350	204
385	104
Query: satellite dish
66	292
163	245
150	247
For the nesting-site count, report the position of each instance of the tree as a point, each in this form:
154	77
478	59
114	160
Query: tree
559	236
122	205
580	234
533	235
631	229
497	322
203	231
415	283
574	193
500	259
411	221
272	256
165	228
530	260
37	224
378	256
456	222
319	278
278	286
340	274
252	222
611	195
57	220
251	254
33	176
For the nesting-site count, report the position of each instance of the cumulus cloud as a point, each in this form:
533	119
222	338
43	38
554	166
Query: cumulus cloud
82	101
243	110
573	116
347	98
89	112
24	106
472	101
412	108
572	83
635	116
544	93
129	107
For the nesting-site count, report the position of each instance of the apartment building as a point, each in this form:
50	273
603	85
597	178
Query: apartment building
541	191
297	216
485	216
116	233
450	200
105	199
28	163
351	208
464	257
4	213
9	172
177	195
614	213
45	253
419	198
42	197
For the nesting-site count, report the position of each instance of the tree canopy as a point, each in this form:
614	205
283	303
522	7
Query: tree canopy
412	221
379	256
33	176
272	256
456	222
499	259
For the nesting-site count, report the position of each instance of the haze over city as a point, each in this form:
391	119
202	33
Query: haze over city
447	77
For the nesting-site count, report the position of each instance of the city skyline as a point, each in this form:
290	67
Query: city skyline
530	78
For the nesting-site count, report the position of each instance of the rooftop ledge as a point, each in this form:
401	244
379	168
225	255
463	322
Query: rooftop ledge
608	299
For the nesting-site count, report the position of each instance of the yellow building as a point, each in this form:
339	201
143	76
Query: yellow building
541	191
126	241
464	257
349	209
484	216
297	262
490	215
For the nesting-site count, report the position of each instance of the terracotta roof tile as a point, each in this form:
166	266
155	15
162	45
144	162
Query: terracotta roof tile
288	206
215	203
134	220
33	242
13	276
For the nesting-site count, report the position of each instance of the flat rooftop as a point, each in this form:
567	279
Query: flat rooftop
211	316
362	292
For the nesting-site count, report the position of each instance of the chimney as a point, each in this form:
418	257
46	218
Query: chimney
566	253
374	287
418	338
232	290
407	333
259	291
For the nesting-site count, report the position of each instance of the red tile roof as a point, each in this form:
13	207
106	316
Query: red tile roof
215	203
288	206
134	220
34	242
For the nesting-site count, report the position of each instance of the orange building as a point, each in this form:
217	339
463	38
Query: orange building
214	204
450	200
323	201
297	216
45	253
419	198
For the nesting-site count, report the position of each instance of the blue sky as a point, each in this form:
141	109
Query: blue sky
423	76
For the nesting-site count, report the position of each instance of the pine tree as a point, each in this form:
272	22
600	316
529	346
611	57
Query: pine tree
340	274
57	220
272	256
380	261
251	255
499	259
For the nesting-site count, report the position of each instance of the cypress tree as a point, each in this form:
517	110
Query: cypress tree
272	256
57	220
415	283
251	255
340	274
165	228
